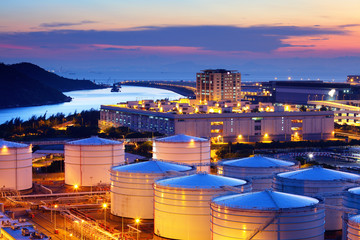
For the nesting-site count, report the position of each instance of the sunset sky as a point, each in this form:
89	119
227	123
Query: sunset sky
173	39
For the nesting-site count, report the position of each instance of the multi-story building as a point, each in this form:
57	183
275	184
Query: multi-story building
224	126
218	84
353	79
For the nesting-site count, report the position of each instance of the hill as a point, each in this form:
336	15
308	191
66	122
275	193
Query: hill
19	90
52	80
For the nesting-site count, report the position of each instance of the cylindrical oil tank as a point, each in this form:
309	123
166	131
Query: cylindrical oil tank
353	228
183	149
88	161
319	182
15	165
259	169
351	201
182	204
266	215
132	191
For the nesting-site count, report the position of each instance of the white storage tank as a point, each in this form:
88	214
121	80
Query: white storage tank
353	230
259	169
183	149
182	204
266	215
352	201
319	182
132	191
88	161
15	165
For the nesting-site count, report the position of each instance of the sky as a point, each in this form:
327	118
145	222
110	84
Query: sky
111	39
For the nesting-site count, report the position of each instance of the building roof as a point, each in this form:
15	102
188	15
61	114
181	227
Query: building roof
355	190
265	200
201	180
355	219
151	167
318	173
219	70
94	140
258	162
12	144
181	138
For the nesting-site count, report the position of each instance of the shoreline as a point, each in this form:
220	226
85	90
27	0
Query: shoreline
176	89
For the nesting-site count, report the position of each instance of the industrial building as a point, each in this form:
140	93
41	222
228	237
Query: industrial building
218	84
194	151
229	126
259	169
15	166
266	215
88	161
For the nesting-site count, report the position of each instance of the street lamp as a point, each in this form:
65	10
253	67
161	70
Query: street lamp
137	221
104	206
55	206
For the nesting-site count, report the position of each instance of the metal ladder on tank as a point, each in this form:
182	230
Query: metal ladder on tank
264	226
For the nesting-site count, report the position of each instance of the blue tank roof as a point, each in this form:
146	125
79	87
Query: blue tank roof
12	144
201	180
355	190
151	167
265	200
94	140
257	162
318	173
181	138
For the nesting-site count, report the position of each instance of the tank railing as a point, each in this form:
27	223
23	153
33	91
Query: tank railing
341	208
264	226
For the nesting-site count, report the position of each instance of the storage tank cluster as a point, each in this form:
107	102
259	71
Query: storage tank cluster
259	169
183	149
15	165
132	191
266	215
319	182
351	202
182	204
88	161
353	228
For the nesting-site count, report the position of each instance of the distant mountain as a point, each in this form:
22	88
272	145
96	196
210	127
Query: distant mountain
52	80
19	90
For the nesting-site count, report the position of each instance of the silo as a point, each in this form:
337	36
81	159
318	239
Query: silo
353	228
132	191
182	204
259	169
319	182
15	165
183	149
351	201
266	215
88	161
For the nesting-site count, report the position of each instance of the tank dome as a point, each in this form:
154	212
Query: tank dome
181	138
201	180
266	200
94	140
9	144
258	161
318	173
151	167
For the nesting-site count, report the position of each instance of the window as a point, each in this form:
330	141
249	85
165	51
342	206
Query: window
217	123
257	128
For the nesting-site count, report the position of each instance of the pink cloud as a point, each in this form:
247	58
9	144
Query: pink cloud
17	47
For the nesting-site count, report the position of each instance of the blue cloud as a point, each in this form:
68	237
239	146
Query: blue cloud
64	24
214	38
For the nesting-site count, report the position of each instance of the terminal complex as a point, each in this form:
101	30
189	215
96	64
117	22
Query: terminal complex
218	113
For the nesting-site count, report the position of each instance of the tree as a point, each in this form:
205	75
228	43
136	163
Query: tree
323	108
303	108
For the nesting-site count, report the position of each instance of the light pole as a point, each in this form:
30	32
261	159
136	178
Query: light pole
81	230
55	206
104	207
137	221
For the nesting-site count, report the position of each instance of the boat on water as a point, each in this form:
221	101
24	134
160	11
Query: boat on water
115	88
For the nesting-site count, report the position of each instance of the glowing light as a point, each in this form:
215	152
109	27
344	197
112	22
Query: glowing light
137	220
104	205
240	136
266	135
4	149
311	155
332	92
55	206
76	186
333	132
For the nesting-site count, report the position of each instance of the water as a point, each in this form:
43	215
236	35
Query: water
87	99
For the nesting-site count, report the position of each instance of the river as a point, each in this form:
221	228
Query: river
87	99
